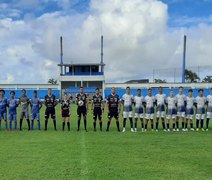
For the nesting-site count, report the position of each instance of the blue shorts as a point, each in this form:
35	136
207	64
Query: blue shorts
13	117
3	115
35	116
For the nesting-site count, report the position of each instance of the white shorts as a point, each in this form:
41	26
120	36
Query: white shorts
149	116
137	115
181	114
127	114
160	114
190	116
209	115
200	116
173	116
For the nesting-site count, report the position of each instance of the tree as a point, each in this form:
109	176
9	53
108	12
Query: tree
159	81
191	76
52	81
207	79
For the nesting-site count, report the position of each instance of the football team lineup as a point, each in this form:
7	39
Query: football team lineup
169	110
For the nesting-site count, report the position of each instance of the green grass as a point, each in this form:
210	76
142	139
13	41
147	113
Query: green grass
102	155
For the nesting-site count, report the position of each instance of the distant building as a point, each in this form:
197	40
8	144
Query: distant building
139	81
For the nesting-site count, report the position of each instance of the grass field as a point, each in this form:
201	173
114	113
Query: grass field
104	155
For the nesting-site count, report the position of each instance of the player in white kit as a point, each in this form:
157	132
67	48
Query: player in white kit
190	100
200	105
181	104
139	111
171	103
160	103
127	100
209	109
149	106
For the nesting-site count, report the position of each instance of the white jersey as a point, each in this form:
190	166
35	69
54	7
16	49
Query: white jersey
138	100
128	100
200	102
190	102
161	98
209	100
171	101
181	98
150	100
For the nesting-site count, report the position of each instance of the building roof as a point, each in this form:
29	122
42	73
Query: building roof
82	64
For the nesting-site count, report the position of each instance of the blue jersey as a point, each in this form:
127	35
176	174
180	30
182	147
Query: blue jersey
13	104
3	104
35	102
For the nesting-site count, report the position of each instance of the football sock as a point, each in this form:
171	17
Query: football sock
197	123
124	122
38	124
183	125
11	125
163	123
100	124
207	123
0	124
167	126
131	123
152	125
15	125
94	125
202	123
142	123
63	125
177	124
54	122
32	125
21	121
68	124
28	123
6	125
191	124
78	124
156	124
46	124
108	125
85	124
135	124
117	124
173	125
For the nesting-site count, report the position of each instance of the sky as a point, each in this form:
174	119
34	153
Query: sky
140	37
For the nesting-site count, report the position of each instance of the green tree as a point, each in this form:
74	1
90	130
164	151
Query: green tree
191	76
207	79
159	81
52	81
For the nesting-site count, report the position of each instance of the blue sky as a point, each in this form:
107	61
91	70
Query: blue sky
148	33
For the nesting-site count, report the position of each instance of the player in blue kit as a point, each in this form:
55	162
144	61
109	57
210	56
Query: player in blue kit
3	108
36	105
12	104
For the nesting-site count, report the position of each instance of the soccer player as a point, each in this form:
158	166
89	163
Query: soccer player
209	109
24	111
82	102
97	106
149	106
139	112
12	104
160	103
200	105
36	105
65	111
181	104
3	108
171	103
189	109
50	103
127	109
113	106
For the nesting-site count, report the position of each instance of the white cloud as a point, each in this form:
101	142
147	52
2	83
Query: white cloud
137	40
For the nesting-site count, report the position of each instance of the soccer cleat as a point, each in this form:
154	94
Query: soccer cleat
202	130
186	129
173	130
183	130
132	130
145	130
156	130
124	130
192	129
206	129
167	130
152	130
178	129
135	129
197	129
142	129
